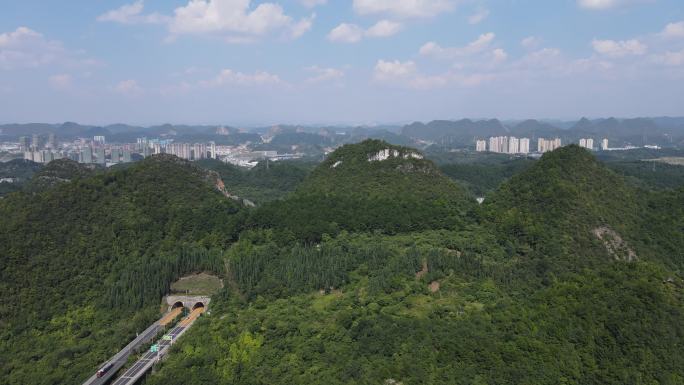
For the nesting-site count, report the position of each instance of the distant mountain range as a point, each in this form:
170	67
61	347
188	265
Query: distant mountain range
666	131
637	131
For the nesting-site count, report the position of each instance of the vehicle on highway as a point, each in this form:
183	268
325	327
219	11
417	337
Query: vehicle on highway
104	370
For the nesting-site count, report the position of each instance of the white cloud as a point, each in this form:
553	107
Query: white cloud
132	14
608	4
128	87
323	74
478	45
236	19
383	28
228	77
352	33
531	42
545	57
313	3
391	70
673	30
482	42
619	48
499	55
478	16
60	81
670	58
26	48
301	27
406	74
346	33
403	8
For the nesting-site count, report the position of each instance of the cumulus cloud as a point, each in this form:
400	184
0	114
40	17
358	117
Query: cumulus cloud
391	70
499	55
406	74
531	42
383	28
673	30
346	33
313	3
670	58
480	44
607	4
478	16
132	14
128	87
352	33
404	8
236	19
228	77
620	48
323	74
26	48
60	81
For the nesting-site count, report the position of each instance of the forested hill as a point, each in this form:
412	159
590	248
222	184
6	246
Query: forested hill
369	186
377	269
79	260
539	288
570	204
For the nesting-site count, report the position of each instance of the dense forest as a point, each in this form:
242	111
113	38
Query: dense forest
364	269
85	263
266	182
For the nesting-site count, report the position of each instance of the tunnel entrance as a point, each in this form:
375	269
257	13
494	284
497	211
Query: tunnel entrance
198	305
177	304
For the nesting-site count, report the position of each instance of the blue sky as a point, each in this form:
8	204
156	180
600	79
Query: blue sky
247	62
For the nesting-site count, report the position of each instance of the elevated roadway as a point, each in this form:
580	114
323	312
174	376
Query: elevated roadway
145	363
120	358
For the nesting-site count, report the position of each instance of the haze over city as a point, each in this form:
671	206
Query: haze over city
317	61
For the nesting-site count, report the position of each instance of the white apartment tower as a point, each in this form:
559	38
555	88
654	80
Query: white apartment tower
481	145
513	145
524	146
545	145
587	143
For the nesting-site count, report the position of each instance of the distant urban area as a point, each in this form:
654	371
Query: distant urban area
245	147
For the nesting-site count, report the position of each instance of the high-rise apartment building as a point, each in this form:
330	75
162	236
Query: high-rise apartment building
505	145
116	155
99	139
52	142
100	153
524	145
604	144
24	143
35	142
587	143
127	156
545	145
86	154
513	145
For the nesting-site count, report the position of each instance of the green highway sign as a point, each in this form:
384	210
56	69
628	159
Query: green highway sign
154	348
167	338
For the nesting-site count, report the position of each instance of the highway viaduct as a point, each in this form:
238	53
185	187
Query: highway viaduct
175	304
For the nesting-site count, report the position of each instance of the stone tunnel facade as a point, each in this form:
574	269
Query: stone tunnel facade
189	302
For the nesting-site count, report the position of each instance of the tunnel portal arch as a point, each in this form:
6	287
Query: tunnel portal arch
188	302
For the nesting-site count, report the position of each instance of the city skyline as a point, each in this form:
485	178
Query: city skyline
348	62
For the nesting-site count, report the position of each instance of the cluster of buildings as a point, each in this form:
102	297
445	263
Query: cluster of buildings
82	150
504	145
187	151
546	145
98	151
513	145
